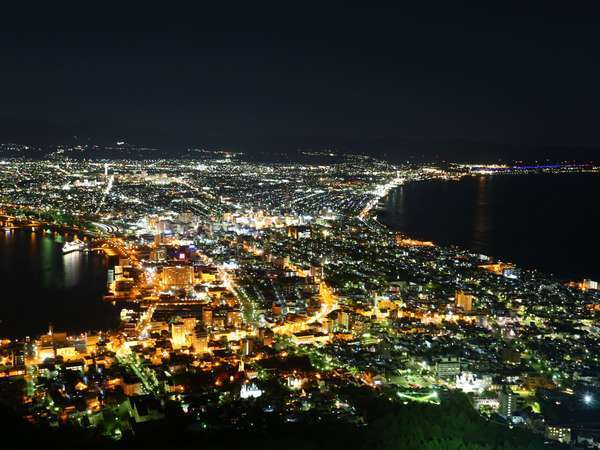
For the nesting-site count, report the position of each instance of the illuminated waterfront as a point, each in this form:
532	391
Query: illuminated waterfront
44	286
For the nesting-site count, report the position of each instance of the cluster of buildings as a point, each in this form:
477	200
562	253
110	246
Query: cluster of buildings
271	288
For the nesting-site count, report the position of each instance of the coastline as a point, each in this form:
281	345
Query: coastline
408	221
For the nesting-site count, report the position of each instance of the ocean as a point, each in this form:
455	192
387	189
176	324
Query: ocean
544	221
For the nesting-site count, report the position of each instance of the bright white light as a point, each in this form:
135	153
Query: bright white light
588	399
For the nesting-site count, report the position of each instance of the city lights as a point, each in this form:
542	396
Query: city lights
261	275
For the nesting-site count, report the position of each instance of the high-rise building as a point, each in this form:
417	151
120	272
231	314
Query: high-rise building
340	320
207	317
177	277
316	271
247	346
178	334
189	323
448	368
463	300
200	340
559	433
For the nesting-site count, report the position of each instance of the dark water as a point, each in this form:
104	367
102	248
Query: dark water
550	222
40	285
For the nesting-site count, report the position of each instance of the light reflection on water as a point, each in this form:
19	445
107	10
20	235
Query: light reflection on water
41	285
482	220
47	258
72	263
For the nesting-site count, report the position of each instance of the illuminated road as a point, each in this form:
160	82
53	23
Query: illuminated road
248	309
145	375
106	192
328	300
380	192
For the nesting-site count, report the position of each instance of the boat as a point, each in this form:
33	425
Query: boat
74	246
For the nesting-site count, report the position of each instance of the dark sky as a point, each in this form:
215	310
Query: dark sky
437	75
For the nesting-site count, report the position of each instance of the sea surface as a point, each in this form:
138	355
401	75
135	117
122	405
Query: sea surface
545	221
40	285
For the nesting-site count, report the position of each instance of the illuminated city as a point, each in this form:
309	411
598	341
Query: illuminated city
246	287
288	226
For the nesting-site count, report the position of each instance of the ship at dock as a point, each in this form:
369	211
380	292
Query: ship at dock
75	245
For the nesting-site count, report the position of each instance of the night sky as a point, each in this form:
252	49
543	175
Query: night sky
442	79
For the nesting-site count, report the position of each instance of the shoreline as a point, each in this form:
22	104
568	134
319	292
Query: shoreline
379	211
